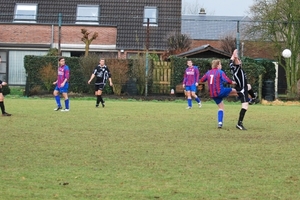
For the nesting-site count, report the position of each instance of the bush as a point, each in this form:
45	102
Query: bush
33	65
36	90
5	90
119	70
137	71
87	65
270	71
48	75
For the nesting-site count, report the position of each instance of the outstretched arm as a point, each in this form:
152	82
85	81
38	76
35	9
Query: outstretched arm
235	57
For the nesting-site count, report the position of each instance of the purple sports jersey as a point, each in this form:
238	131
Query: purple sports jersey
63	73
215	79
191	76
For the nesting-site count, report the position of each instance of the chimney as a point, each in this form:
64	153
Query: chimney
202	11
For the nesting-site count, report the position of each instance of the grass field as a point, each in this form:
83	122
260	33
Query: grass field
147	150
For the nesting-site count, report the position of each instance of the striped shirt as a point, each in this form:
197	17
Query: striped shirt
102	74
215	79
62	74
191	76
239	76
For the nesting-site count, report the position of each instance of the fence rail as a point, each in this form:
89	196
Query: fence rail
162	73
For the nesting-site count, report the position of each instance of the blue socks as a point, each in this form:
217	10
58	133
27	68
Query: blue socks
57	99
189	102
220	116
67	103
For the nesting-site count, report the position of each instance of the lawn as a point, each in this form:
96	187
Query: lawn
147	150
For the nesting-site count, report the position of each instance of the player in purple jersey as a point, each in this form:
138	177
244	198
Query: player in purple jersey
215	79
62	85
190	83
4	113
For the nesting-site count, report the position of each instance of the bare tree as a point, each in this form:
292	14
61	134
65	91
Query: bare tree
228	43
85	38
177	43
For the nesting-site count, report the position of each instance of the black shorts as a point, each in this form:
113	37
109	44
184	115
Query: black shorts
1	90
243	94
99	87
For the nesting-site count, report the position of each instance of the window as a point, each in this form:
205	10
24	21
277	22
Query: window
25	12
87	14
151	13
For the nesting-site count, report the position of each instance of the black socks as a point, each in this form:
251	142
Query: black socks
2	107
242	115
99	99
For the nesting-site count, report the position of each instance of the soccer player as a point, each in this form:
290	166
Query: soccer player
190	83
2	83
102	74
215	79
242	87
62	85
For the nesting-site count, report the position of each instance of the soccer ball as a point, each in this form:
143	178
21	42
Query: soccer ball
286	53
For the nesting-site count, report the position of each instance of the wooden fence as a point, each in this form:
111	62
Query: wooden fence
162	74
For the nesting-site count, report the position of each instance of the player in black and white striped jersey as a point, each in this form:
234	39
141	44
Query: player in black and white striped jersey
242	87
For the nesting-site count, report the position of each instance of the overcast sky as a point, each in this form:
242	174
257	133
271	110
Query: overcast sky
218	7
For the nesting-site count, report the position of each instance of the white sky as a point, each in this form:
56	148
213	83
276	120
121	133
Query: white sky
218	7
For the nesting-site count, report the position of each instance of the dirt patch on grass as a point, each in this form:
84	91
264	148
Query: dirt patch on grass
281	103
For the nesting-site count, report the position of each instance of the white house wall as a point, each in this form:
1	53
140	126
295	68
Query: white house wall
16	70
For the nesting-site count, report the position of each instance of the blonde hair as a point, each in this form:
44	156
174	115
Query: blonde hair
215	63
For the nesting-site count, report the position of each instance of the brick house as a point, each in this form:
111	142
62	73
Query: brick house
125	27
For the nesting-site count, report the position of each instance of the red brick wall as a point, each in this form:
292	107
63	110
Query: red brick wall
26	34
251	49
259	50
41	34
73	35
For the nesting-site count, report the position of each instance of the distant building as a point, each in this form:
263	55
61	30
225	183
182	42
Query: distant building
206	29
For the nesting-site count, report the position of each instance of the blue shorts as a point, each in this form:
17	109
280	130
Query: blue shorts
191	88
224	93
63	89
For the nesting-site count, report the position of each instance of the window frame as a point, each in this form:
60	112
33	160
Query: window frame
92	20
30	7
152	21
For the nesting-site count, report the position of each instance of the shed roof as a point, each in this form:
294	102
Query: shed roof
204	51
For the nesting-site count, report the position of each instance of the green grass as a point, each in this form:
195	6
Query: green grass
17	91
147	150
